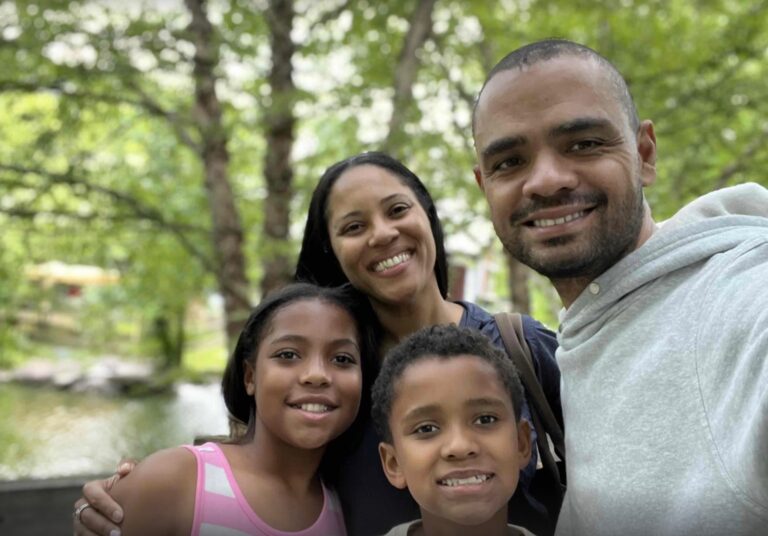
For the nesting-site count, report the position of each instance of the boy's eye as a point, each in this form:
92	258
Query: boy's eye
425	429
486	419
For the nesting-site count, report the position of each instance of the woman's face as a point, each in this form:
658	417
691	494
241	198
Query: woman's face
381	235
307	379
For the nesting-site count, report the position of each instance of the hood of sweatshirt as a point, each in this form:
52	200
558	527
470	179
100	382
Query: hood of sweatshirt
711	224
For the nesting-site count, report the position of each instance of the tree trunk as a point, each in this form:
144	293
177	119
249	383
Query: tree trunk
406	71
519	297
227	233
278	171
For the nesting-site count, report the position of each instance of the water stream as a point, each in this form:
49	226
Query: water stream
46	433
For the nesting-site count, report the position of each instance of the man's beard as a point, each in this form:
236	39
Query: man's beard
611	238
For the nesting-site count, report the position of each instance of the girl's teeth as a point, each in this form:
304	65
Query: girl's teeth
477	479
558	221
315	408
394	261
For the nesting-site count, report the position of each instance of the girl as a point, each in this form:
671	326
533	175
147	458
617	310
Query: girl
296	378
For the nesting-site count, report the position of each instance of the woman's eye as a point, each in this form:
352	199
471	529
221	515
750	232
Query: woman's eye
399	209
287	355
486	419
351	228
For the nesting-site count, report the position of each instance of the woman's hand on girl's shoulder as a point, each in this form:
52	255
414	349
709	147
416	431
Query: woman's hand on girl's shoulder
158	496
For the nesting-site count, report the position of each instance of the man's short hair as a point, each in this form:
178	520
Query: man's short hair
548	49
441	342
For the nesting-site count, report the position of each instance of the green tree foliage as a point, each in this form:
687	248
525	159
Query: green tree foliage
101	163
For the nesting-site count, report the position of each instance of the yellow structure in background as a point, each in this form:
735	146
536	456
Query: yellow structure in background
81	275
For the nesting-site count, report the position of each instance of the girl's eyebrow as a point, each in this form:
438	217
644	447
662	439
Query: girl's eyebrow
292	337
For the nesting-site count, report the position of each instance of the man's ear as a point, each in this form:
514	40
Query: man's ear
249	378
524	445
646	148
478	176
391	466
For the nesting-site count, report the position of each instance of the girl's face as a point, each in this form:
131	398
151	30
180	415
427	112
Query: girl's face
380	235
307	378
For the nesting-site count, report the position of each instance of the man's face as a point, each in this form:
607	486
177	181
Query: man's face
561	168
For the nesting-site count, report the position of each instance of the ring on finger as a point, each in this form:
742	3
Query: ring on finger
79	510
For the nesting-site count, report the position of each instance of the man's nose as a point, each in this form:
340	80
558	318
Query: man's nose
550	173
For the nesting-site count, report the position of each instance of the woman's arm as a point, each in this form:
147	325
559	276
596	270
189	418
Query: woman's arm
158	496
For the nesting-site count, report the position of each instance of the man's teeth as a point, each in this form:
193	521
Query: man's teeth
477	479
558	221
392	261
314	408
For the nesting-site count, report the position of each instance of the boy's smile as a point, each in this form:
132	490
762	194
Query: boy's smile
456	445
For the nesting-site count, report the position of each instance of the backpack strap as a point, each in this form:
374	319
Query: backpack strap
511	328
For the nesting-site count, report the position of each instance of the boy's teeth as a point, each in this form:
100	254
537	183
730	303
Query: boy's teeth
314	408
477	479
558	221
392	261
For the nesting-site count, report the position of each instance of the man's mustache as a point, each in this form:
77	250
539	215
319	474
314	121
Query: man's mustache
562	199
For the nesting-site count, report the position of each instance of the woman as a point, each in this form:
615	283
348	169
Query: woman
372	223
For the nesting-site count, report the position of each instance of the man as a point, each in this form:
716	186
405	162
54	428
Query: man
664	335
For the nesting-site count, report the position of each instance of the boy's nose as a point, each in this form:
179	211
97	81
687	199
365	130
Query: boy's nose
459	444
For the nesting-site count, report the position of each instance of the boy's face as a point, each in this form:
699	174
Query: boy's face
455	442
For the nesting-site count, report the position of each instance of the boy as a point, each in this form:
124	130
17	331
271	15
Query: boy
447	403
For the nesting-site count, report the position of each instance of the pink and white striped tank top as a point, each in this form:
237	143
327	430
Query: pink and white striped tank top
221	508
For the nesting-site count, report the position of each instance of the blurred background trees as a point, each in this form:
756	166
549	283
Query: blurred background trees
178	141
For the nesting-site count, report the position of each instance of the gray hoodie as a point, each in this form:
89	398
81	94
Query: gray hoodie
664	362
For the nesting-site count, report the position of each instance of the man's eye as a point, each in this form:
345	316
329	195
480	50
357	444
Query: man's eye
584	145
486	419
508	163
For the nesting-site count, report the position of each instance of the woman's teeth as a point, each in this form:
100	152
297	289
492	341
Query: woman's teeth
392	261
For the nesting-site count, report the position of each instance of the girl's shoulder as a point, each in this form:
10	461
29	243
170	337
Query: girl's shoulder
158	496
